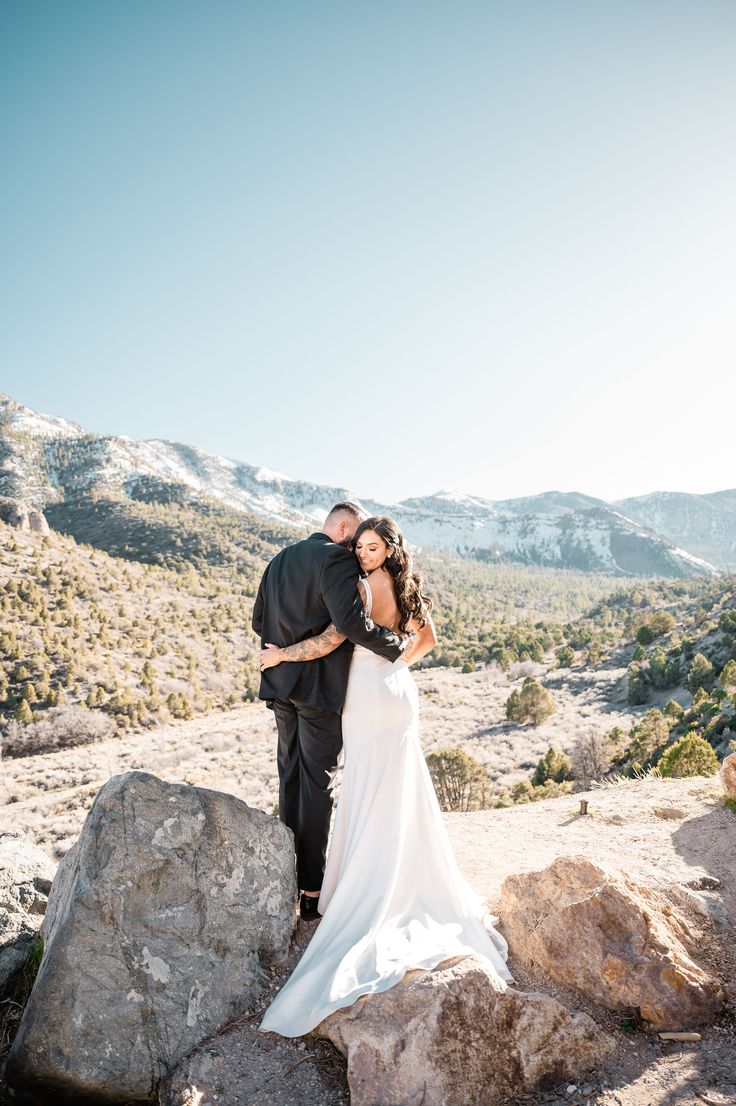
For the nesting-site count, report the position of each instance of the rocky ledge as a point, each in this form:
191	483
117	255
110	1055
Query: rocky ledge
171	923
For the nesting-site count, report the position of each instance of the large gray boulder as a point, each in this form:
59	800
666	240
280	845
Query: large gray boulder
451	1036
157	925
26	874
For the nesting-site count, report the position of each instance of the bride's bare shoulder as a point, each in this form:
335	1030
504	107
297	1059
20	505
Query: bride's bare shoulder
381	582
384	607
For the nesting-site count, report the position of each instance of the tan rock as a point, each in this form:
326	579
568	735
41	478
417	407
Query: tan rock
622	944
728	775
449	1037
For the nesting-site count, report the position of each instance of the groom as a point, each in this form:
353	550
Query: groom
304	589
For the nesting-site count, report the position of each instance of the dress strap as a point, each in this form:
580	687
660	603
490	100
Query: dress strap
368	595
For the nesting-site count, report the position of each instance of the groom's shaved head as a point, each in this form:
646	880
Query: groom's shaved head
347	507
343	520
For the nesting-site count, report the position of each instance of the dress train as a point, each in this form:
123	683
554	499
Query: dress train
393	896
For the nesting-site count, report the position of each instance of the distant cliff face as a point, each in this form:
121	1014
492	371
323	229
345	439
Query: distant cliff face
23	516
45	459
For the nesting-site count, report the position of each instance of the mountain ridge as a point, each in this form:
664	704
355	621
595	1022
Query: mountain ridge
46	459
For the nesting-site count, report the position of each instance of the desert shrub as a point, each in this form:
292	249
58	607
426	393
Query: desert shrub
58	728
662	622
565	657
638	691
727	623
673	711
648	737
656	624
179	705
591	757
727	678
524	667
523	792
690	756
23	713
616	737
700	674
664	670
18	990
533	703
460	781
657	666
501	656
554	765
701	699
672	673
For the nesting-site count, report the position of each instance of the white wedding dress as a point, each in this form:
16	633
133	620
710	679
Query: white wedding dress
393	897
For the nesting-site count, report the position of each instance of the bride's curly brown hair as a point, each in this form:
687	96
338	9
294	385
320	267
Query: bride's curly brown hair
408	584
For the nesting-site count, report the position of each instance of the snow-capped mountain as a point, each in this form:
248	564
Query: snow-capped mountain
550	503
593	539
45	460
705	524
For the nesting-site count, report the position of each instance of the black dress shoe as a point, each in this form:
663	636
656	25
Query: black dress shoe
308	908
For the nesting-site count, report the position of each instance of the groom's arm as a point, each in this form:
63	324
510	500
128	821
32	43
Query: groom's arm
339	587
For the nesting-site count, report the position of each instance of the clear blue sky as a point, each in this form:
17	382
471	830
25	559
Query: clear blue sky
394	246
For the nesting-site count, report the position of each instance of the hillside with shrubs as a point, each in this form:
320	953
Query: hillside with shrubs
679	646
139	612
136	611
93	644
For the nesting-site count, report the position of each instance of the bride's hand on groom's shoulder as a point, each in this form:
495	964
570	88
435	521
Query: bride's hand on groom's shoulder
270	656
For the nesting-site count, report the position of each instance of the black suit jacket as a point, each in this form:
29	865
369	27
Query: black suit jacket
305	588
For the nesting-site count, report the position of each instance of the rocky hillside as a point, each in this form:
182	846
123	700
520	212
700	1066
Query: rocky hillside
48	460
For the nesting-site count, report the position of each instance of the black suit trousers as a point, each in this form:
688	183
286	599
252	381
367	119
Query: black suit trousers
309	743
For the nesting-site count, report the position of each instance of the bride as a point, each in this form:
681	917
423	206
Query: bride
393	897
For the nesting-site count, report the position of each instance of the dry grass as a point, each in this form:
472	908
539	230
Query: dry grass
11	1008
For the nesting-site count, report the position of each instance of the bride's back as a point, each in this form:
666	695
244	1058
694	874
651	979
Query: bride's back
385	610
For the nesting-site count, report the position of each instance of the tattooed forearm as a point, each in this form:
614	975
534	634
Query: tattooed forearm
314	647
